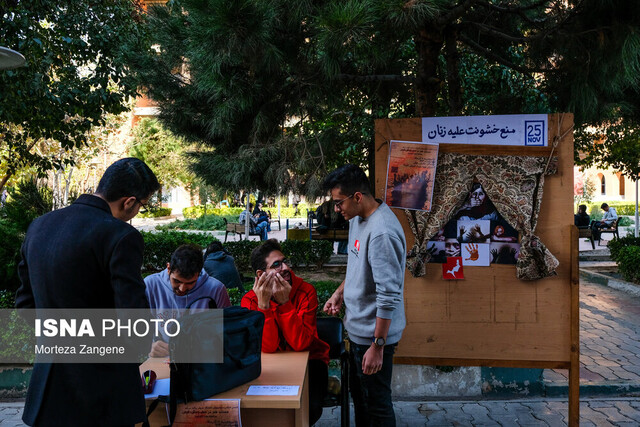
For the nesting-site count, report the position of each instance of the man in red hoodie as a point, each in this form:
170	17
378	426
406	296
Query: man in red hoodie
289	305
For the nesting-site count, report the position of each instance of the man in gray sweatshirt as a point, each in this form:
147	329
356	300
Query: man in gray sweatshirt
372	293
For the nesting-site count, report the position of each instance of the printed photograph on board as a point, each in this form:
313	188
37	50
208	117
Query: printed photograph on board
410	175
475	254
474	231
504	253
501	231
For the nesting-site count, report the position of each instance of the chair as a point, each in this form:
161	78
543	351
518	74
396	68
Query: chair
330	330
585	232
613	229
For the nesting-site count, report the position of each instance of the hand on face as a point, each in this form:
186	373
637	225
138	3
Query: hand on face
281	289
263	287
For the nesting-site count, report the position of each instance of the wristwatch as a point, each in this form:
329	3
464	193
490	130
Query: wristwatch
378	341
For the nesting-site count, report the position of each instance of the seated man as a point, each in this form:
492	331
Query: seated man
289	305
582	219
608	219
179	285
260	228
218	263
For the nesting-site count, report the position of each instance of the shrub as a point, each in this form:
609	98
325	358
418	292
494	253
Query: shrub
206	222
11	237
285	212
615	245
26	202
622	208
628	259
158	247
198	211
7	299
241	252
325	288
155	213
307	252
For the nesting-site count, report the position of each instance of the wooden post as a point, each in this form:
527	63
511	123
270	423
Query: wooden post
574	369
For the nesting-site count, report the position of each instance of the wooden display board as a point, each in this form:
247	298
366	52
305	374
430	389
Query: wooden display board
491	318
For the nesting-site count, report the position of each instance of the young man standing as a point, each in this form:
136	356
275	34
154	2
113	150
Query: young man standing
289	305
372	293
87	256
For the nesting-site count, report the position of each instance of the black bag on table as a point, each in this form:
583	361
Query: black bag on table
242	362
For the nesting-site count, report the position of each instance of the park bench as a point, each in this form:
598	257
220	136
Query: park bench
237	228
329	234
585	232
613	229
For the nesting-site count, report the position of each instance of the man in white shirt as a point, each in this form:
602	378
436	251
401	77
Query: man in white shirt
608	219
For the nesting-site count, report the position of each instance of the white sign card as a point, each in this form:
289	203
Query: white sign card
273	390
518	129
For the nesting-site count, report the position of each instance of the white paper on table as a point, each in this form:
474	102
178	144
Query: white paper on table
273	390
161	388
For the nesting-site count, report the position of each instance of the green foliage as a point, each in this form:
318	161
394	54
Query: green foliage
285	212
7	299
17	338
200	210
324	289
614	143
155	213
583	190
159	246
622	208
75	74
616	245
206	222
241	253
235	296
628	259
164	152
12	236
26	202
307	252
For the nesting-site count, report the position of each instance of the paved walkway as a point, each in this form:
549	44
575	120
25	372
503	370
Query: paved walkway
609	339
526	412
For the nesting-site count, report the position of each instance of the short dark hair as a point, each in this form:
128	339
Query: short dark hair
215	246
260	254
582	208
186	260
127	177
349	179
604	205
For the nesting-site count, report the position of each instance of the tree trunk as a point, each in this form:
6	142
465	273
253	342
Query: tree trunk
429	42
4	181
453	74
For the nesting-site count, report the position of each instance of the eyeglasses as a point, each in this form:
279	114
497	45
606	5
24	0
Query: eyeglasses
338	203
144	206
277	265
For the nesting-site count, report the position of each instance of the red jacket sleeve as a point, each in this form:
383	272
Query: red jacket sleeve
298	323
270	335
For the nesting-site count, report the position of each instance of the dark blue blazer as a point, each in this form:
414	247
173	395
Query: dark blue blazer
82	257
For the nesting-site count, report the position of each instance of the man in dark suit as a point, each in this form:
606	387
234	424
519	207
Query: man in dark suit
87	256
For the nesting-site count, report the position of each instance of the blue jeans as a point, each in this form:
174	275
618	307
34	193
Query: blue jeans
262	229
371	394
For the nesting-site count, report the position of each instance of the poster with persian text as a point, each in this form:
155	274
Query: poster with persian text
410	174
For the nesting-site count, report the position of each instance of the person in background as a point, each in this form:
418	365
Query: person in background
183	284
582	219
289	305
219	264
260	228
608	219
